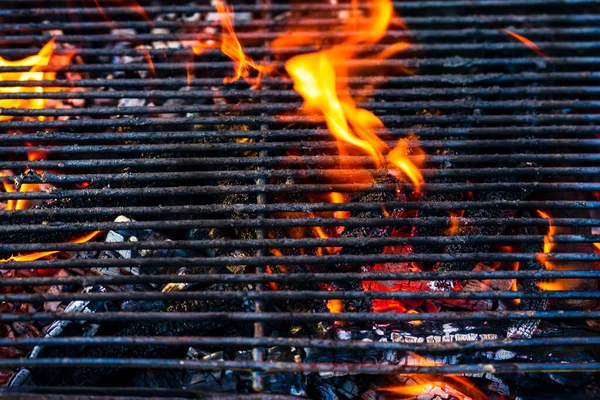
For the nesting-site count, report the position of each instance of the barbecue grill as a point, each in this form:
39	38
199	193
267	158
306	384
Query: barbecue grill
207	279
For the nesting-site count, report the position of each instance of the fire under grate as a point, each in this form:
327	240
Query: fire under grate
172	230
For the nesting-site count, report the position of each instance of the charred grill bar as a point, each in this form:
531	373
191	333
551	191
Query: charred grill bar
221	266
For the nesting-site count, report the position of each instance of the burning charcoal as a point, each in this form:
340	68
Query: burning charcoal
60	236
476	285
437	197
211	381
285	383
584	248
349	389
526	328
368	231
323	391
556	384
22	377
474	230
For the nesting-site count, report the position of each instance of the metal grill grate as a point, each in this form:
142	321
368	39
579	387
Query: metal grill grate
505	131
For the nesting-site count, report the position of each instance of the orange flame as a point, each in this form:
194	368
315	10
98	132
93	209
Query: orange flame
231	46
338	198
43	58
8	188
36	62
315	80
548	239
39	255
552	286
319	232
22	204
315	76
133	5
549	245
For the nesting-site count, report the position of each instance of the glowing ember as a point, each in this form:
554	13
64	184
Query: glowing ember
433	386
454	223
335	306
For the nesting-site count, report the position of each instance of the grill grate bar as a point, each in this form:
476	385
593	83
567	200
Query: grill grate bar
312	22
317	145
324	161
150	10
285	120
421	35
297	243
308	222
299	207
295	278
158	177
469	20
257	52
282	107
262	296
571	130
253	317
457	79
302	342
301	260
316	188
353	368
290	94
453	62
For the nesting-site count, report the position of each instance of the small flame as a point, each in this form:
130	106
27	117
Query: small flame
551	286
548	239
398	158
231	46
454	222
549	245
22	204
319	232
415	323
273	285
130	4
338	198
8	188
526	42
